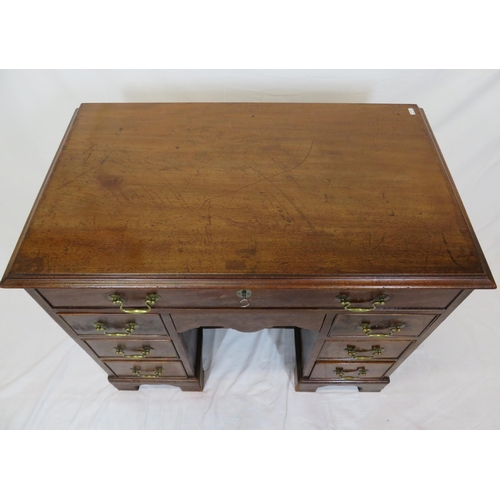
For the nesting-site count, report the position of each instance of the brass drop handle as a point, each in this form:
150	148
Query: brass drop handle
368	328
143	352
150	301
339	371
137	372
353	352
129	328
377	301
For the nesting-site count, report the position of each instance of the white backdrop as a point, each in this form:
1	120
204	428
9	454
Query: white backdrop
450	382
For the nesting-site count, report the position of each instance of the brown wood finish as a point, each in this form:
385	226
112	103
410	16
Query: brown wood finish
395	325
282	298
298	203
232	189
132	347
85	324
190	356
327	370
363	349
247	320
146	368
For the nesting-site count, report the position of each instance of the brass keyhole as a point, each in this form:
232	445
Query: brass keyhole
244	294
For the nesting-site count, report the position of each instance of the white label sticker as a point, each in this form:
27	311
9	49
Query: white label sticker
412	111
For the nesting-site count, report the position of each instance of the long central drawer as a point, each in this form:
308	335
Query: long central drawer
262	298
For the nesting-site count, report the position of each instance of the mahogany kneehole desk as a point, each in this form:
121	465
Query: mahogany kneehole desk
340	221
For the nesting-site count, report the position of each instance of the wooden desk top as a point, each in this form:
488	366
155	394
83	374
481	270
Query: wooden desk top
318	192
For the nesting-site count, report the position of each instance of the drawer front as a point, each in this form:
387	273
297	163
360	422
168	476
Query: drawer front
375	325
260	298
115	325
133	349
357	371
247	320
363	350
145	370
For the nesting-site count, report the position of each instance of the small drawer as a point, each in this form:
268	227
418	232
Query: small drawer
128	300
147	369
115	325
247	320
363	350
349	371
133	349
380	325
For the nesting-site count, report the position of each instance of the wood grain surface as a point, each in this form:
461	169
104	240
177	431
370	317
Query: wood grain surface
254	190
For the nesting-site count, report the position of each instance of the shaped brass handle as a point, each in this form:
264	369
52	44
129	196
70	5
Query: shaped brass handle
353	352
143	352
129	328
339	371
368	328
377	301
137	372
150	301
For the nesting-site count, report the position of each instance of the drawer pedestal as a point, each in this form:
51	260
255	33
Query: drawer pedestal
334	346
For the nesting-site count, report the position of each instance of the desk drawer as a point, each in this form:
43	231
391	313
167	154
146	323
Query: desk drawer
133	349
363	350
351	300
115	325
145	370
376	325
332	370
247	320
